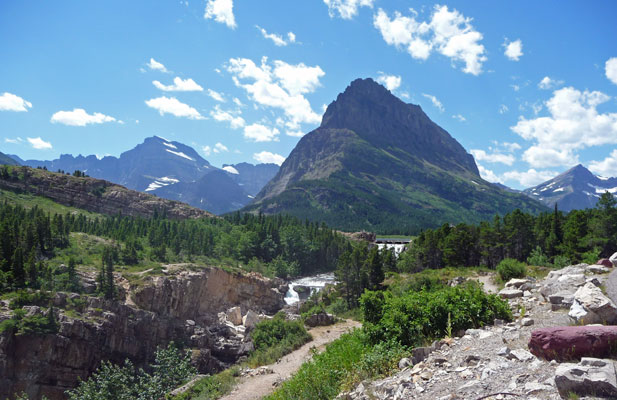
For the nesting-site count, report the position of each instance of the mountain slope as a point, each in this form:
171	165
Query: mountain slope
6	160
575	189
379	164
251	177
166	168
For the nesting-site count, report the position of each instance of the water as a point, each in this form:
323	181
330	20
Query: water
315	283
398	248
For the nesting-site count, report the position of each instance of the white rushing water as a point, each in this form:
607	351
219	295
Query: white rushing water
315	283
398	248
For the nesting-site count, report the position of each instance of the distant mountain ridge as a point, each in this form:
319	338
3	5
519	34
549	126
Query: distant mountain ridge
379	164
576	189
168	169
7	160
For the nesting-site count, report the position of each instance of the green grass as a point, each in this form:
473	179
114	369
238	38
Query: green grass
212	387
29	201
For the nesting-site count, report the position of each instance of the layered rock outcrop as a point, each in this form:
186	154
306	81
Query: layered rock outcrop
181	308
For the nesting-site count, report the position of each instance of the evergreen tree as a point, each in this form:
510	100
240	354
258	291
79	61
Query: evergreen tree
375	269
18	268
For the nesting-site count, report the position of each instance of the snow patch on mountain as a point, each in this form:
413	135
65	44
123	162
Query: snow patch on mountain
160	182
180	154
170	145
231	170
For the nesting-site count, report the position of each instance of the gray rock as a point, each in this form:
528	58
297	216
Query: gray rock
517	283
591	306
613	259
590	377
527	322
234	315
504	351
510	293
250	319
520	355
320	319
404	363
420	354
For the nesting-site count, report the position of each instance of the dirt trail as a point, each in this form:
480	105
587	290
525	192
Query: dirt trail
256	387
489	283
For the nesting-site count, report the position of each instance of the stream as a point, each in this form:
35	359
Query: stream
315	283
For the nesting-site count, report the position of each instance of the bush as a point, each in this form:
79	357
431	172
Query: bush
538	258
275	338
212	387
418	317
561	261
510	268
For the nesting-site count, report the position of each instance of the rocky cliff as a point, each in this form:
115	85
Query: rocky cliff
93	194
182	307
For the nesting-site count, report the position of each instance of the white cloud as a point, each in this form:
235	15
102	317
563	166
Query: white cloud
219	148
156	66
39	143
487	174
207	150
269	158
503	109
216	96
233	117
459	117
448	32
516	88
346	9
435	101
11	102
277	39
606	167
611	69
17	140
548	83
513	50
494	157
280	86
79	117
509	147
528	178
171	105
230	169
295	133
180	85
238	102
221	11
574	123
260	133
391	82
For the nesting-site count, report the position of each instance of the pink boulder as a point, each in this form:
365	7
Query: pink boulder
605	262
565	343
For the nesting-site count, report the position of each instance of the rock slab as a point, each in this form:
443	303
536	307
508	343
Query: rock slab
566	343
591	377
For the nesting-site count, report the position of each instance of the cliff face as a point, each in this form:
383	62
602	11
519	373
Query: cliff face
182	308
94	194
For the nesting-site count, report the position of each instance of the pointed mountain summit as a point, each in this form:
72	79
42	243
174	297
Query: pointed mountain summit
377	163
576	189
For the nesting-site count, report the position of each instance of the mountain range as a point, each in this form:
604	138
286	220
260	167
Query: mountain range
379	164
575	189
171	170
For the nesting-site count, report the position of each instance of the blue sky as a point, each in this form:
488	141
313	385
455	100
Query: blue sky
528	87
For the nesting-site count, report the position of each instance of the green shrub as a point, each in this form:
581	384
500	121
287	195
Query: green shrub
538	258
418	317
510	268
275	338
212	387
561	261
30	298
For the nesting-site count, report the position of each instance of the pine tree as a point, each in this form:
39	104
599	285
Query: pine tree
375	269
18	268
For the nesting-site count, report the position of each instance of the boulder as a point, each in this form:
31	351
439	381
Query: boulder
234	315
561	300
591	377
599	269
320	319
510	293
613	259
565	343
605	262
591	306
250	319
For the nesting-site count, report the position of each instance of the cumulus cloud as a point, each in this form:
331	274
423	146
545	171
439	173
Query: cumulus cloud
488	175
277	39
216	96
233	117
493	157
221	11
611	69
261	133
280	86
435	101
606	167
528	178
39	143
574	123
11	102
391	82
156	66
171	105
513	50
346	9
180	85
448	33
549	83
267	157
207	150
79	117
219	148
